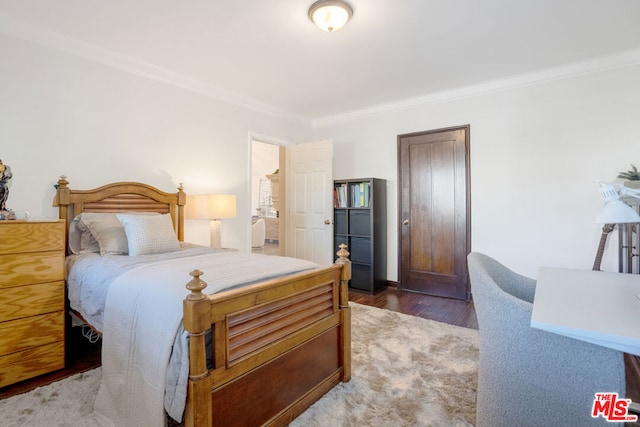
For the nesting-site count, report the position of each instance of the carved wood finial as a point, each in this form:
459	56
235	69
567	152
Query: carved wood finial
180	186
343	253
62	182
345	275
61	198
196	286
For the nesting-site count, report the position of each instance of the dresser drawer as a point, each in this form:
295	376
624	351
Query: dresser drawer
26	236
29	332
31	363
19	269
31	300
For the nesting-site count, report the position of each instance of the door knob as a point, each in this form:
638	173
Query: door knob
405	222
327	221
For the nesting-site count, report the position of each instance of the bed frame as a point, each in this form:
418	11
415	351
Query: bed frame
278	346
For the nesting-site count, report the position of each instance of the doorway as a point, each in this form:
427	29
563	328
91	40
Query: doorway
266	198
434	212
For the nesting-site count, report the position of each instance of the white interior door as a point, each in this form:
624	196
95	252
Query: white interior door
310	201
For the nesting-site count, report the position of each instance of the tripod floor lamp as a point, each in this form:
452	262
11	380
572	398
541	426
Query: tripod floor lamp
615	211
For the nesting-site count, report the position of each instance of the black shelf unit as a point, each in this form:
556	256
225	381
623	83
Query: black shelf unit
360	221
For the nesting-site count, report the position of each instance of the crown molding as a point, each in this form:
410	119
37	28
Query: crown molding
619	60
21	29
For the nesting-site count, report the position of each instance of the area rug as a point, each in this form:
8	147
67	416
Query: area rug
406	371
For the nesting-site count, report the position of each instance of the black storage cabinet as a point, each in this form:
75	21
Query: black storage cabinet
360	221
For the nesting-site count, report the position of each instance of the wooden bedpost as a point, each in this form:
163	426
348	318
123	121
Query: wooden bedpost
345	311
62	199
345	275
196	324
182	200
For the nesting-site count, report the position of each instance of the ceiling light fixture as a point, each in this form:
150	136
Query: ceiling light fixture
330	15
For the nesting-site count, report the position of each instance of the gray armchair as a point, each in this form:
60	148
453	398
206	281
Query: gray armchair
529	377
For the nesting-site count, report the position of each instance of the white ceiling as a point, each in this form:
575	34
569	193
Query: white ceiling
268	53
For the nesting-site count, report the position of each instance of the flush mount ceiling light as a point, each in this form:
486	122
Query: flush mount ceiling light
330	15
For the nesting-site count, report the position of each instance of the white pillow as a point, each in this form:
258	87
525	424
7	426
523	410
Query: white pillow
149	234
80	238
107	231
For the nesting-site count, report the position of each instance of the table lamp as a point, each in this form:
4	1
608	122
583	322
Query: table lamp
212	207
615	211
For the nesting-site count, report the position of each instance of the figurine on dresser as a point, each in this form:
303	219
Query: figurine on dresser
5	181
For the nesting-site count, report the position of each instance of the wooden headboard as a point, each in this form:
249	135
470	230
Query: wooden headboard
120	197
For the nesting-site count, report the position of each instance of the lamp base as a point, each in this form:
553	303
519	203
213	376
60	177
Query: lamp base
216	234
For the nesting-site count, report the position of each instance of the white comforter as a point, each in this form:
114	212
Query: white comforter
90	275
144	353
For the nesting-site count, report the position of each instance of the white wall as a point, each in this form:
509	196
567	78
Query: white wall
61	114
535	152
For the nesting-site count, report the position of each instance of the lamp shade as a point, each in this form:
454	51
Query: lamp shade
330	15
617	212
211	206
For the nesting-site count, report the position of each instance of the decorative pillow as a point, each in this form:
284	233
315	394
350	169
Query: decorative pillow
149	234
107	231
80	238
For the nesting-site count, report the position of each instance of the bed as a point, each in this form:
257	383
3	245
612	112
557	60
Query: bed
259	354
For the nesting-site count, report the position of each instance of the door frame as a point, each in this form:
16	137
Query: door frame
467	129
282	218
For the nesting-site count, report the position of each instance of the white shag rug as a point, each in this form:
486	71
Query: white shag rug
406	371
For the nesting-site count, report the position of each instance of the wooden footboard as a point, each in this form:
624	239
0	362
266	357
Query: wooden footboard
278	347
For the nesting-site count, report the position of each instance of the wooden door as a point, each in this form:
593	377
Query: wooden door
434	212
310	201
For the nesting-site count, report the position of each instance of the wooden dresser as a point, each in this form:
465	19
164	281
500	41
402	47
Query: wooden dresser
32	299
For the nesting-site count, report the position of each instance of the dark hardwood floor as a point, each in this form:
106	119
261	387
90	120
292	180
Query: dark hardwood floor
446	310
83	355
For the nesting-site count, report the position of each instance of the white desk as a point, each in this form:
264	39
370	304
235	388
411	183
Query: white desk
594	306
